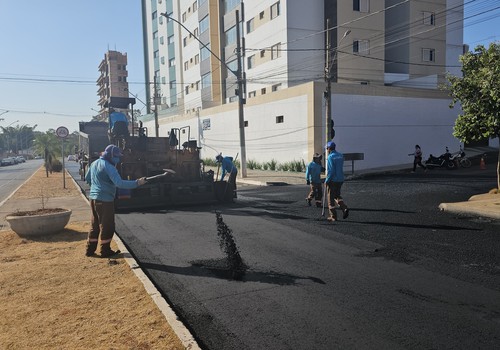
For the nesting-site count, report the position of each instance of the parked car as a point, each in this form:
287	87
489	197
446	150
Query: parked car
8	161
20	159
72	157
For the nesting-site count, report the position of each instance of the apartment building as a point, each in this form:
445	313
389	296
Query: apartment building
112	81
378	48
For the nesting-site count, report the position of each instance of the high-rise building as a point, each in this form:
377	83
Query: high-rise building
112	81
392	48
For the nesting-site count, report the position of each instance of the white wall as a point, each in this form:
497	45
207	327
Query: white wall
384	128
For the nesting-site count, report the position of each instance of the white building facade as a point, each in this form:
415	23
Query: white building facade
390	58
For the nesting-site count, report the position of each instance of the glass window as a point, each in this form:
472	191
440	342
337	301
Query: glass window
201	2
204	52
276	51
170	39
204	24
275	10
361	46
231	35
231	4
206	80
251	62
361	5
428	55
429	18
250	26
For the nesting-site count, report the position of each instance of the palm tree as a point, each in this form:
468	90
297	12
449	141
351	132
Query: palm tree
46	144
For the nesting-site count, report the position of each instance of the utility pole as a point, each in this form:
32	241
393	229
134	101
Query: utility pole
241	99
329	131
241	85
155	101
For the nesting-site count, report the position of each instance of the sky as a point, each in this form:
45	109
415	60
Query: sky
50	51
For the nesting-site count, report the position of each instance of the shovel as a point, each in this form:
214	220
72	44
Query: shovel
156	177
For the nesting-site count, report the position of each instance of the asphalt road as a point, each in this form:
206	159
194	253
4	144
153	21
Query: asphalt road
13	176
398	274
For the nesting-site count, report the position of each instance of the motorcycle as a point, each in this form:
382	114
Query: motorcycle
459	158
443	161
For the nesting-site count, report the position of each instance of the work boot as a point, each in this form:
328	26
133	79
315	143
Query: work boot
107	252
345	210
91	248
308	200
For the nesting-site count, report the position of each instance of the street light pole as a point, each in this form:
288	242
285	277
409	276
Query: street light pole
330	61
239	76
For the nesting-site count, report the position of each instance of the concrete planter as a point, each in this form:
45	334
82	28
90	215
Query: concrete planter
38	222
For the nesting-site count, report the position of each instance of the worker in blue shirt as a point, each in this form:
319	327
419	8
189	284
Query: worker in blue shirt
103	178
313	178
228	167
334	180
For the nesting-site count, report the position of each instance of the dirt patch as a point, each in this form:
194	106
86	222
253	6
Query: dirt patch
53	297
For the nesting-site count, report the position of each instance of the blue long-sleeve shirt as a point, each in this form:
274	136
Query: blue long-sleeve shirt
313	173
103	179
227	167
335	167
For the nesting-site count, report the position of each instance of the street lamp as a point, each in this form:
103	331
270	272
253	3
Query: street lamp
239	76
5	111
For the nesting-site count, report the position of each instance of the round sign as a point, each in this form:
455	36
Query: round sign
62	132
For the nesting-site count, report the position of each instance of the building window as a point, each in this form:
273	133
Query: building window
195	6
275	10
195	32
170	39
160	19
172	84
155	35
204	24
276	87
156	54
361	46
252	94
250	26
230	4
187	90
262	53
230	35
186	65
280	119
184	42
171	62
184	17
428	55
263	91
429	18
246	123
196	59
276	51
201	2
206	80
205	52
161	40
261	15
162	60
251	62
154	15
361	5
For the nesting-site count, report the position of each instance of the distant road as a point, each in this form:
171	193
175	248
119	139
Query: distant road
13	176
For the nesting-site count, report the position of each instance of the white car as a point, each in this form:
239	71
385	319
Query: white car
72	157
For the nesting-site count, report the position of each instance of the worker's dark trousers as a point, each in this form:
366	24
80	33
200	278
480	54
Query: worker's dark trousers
102	223
316	193
232	178
334	198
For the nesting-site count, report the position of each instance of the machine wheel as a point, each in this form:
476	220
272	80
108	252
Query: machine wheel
465	163
450	165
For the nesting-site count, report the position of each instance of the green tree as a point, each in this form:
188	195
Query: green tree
48	145
478	92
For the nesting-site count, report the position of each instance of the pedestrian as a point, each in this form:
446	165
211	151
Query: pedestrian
228	167
103	178
418	158
313	178
334	180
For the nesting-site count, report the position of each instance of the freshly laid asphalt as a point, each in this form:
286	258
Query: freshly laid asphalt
481	205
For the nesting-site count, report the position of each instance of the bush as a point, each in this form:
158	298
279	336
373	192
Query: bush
56	165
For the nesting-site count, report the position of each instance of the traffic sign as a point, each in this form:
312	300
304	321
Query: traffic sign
62	132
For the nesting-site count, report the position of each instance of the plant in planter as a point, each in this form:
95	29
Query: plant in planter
39	222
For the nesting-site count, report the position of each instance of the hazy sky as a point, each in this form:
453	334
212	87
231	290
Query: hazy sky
51	49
